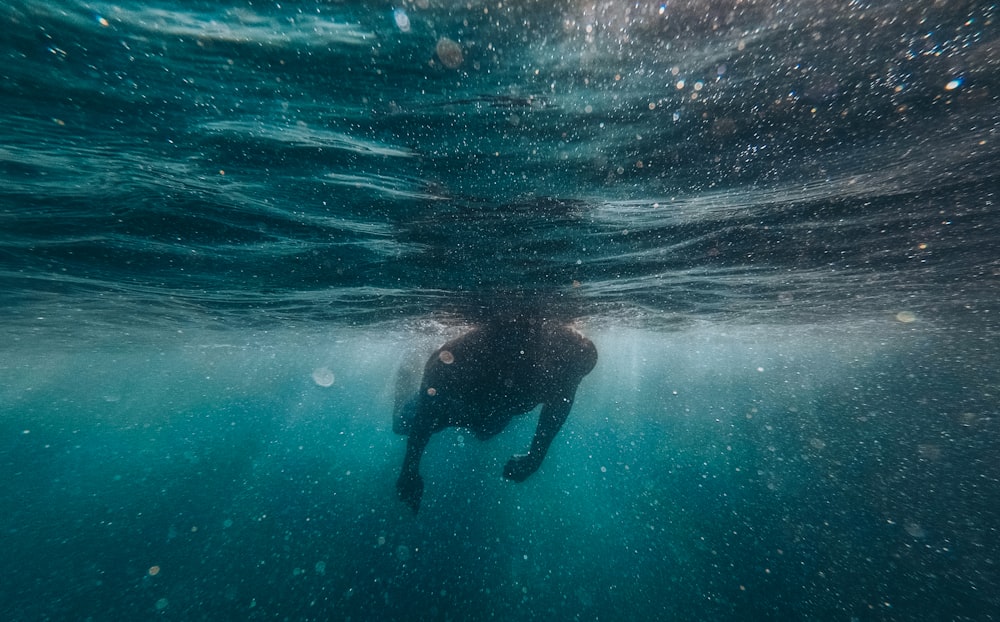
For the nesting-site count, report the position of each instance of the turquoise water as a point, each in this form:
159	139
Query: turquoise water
223	228
716	473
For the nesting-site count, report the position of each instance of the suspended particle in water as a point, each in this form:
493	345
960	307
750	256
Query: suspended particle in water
320	567
446	357
449	52
153	571
323	376
161	604
906	317
431	391
928	451
953	84
403	553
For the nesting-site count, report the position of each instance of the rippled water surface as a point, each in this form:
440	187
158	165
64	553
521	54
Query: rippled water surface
223	225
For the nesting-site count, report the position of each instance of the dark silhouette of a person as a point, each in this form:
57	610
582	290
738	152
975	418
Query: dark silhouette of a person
484	378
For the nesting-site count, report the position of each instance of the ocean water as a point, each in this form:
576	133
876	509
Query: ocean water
224	226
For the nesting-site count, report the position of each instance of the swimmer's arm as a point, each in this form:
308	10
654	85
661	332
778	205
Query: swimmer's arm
550	421
410	485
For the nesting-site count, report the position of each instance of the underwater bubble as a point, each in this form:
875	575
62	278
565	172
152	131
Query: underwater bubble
914	530
403	553
323	377
928	451
402	20
449	52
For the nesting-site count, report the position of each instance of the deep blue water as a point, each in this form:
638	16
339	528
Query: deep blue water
777	221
